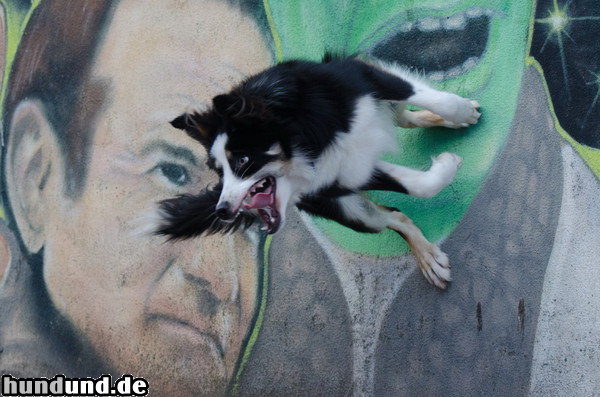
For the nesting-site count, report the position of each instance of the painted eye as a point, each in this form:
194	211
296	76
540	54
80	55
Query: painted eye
174	173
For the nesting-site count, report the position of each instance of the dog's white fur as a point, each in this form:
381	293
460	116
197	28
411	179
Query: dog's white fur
353	156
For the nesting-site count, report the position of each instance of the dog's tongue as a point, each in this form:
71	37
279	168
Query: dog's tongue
261	200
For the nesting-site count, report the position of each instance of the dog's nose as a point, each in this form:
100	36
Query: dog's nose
223	211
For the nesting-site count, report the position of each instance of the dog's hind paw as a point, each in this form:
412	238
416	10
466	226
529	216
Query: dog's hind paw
432	261
469	113
459	112
475	113
434	265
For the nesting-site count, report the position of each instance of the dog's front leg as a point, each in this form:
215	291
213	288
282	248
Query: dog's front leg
397	178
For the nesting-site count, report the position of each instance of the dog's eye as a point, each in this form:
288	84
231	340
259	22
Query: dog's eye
174	173
242	161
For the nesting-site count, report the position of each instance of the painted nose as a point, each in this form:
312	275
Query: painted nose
223	211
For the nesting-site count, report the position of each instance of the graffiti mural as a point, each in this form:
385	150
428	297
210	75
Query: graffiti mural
88	151
88	92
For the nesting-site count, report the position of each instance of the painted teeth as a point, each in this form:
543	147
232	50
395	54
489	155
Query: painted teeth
454	22
456	71
429	24
457	21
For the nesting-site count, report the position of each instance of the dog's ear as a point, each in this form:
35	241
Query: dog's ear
180	122
236	106
225	104
199	126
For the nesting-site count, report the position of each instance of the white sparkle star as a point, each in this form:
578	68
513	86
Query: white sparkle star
558	21
596	82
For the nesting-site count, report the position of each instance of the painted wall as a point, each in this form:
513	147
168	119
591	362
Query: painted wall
317	309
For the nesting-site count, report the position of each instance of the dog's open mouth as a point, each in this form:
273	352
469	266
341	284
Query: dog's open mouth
261	197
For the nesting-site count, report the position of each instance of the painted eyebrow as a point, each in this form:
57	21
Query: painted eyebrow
170	149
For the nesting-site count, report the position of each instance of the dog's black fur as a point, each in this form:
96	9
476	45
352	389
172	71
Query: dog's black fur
300	104
310	134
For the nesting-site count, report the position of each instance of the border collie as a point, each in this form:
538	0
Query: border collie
311	135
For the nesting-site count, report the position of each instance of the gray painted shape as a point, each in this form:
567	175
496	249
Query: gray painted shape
370	285
305	343
567	342
439	343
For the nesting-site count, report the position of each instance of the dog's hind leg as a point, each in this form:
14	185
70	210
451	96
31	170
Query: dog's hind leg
395	83
442	109
362	215
421	119
432	261
392	177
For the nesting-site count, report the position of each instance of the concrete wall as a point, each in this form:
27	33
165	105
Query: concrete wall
317	309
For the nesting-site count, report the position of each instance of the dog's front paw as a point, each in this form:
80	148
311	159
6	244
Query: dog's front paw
434	265
443	170
447	161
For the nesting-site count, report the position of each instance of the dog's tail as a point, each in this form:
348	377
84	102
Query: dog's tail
189	216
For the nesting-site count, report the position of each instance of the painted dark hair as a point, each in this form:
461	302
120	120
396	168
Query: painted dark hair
53	65
61	82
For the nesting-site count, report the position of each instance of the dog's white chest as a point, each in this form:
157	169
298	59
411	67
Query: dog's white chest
351	158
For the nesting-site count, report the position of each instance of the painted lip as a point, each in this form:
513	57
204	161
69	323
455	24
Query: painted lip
187	330
442	47
199	319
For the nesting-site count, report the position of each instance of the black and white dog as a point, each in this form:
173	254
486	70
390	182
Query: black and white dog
311	135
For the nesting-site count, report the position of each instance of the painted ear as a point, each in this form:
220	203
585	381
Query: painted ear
34	173
199	126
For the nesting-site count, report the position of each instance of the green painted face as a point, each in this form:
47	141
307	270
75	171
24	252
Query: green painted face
473	48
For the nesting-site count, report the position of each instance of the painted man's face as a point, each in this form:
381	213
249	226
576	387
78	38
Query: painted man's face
175	313
471	47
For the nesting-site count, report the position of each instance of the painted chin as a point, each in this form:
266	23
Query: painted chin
262	197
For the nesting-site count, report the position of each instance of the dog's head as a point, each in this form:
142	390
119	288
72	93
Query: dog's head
242	137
